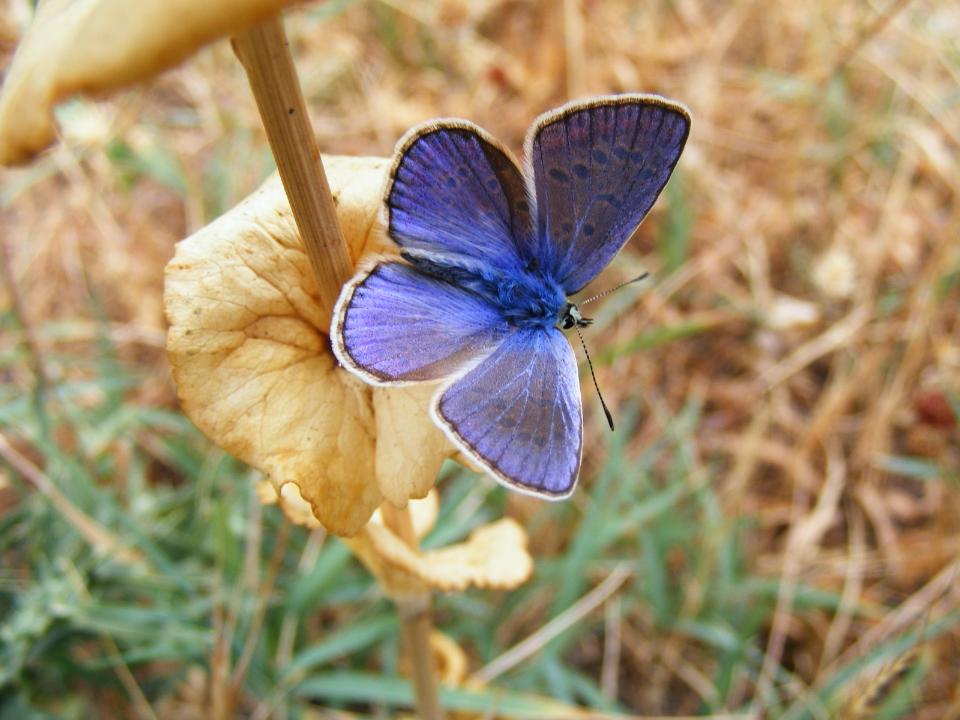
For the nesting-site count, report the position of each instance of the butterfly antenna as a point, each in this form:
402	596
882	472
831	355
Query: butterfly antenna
606	410
638	278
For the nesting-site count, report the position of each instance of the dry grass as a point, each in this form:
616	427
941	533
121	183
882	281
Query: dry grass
807	259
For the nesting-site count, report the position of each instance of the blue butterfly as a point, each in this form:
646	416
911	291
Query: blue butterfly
490	257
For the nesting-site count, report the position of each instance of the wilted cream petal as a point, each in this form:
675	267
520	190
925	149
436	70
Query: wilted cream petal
266	492
291	502
409	454
494	556
297	510
90	46
423	514
251	358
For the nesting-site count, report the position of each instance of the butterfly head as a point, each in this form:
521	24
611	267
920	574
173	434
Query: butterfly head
570	318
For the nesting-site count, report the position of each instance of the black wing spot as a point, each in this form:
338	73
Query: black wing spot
620	153
581	171
558	175
600	156
588	229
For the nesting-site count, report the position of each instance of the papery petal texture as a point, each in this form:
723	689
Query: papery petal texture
93	46
249	348
494	556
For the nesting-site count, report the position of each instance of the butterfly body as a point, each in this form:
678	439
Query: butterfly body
526	298
491	256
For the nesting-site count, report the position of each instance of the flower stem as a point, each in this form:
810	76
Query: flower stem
414	611
417	626
265	54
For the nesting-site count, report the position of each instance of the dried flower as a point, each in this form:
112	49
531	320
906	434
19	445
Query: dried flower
88	46
494	556
252	362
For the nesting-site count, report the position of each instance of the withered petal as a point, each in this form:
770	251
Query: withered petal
494	556
93	46
249	348
403	474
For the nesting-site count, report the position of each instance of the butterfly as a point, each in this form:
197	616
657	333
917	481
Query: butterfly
489	257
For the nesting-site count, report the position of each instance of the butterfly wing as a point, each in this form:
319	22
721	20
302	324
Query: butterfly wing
597	167
518	413
392	324
456	195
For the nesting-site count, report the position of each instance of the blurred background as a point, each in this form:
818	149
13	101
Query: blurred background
780	499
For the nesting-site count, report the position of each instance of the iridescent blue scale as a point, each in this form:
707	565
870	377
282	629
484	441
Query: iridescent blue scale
491	255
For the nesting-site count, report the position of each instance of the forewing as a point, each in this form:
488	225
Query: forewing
518	413
392	324
457	196
598	166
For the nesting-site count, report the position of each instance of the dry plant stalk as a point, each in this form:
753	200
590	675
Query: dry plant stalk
415	616
265	54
